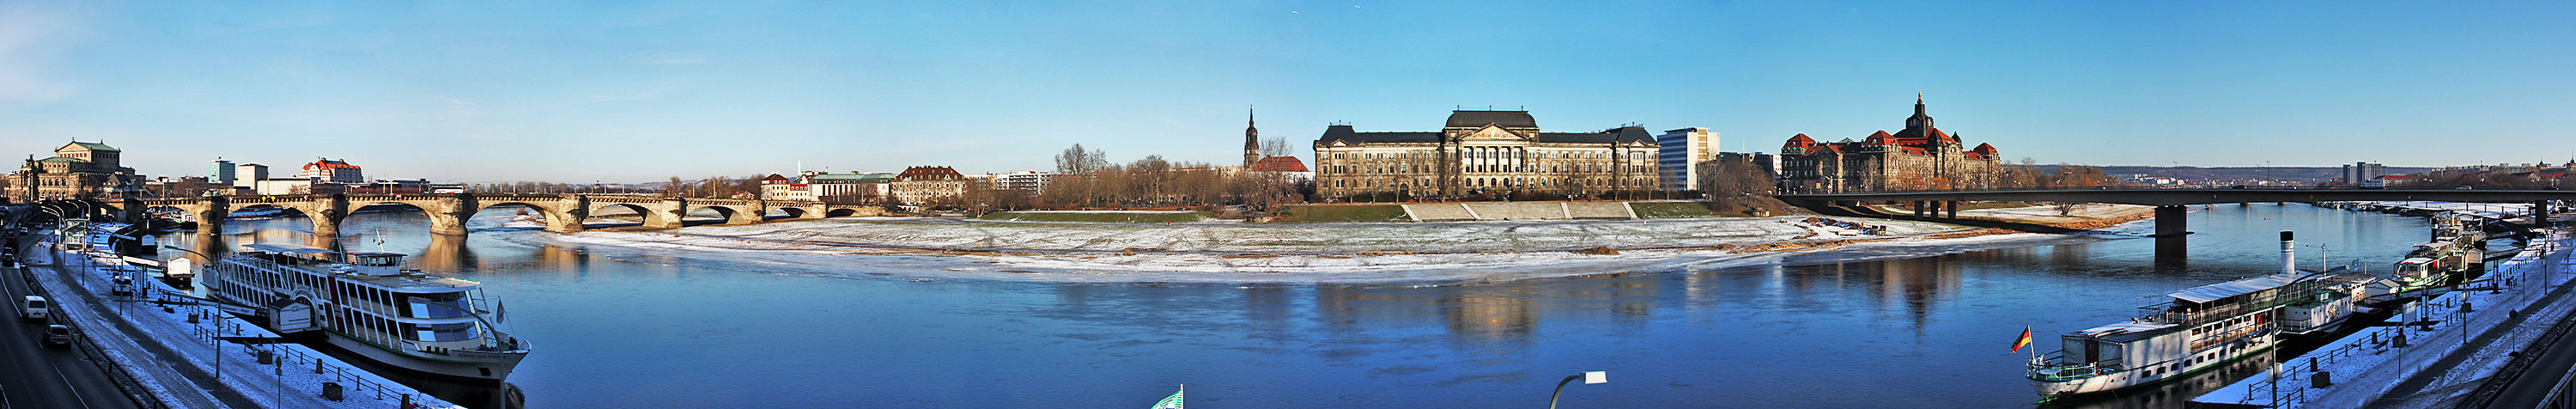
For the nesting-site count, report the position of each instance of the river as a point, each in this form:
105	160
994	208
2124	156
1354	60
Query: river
621	327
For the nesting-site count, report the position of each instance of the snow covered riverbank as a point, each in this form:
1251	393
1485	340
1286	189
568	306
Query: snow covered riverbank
1429	253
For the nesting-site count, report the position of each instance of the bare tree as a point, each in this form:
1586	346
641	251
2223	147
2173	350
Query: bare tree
1274	146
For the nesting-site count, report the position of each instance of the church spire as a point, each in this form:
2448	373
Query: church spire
1251	139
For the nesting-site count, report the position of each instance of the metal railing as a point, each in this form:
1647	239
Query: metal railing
213	328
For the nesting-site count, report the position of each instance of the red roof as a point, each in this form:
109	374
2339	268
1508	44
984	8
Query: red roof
1278	164
929	173
329	164
1880	138
1799	141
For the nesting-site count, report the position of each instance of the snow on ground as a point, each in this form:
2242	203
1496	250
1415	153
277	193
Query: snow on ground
2494	210
292	384
1282	253
2366	365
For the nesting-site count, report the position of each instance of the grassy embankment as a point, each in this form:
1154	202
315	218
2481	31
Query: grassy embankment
1102	217
1344	213
1671	210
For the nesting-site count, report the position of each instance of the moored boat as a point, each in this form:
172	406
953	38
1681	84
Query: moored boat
370	306
2200	328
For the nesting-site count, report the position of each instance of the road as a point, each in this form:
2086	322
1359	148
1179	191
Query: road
2545	374
34	376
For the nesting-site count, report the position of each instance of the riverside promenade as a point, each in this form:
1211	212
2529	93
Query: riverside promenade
2443	349
180	353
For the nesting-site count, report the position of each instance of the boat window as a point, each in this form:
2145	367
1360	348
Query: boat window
441	332
442	305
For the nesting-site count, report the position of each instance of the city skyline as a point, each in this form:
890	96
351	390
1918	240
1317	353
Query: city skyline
487	93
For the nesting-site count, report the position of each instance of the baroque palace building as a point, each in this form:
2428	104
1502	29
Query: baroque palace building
1483	152
78	170
1921	157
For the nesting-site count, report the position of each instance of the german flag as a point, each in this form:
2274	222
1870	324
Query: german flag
2024	341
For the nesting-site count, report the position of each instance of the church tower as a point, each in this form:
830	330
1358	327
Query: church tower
1251	140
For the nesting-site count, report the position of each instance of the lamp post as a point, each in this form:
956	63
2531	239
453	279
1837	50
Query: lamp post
1588	378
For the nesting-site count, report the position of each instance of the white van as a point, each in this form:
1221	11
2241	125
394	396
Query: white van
34	309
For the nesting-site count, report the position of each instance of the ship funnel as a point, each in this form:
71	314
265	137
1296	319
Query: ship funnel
2289	262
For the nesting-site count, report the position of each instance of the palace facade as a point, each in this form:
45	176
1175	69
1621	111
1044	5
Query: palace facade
79	170
1921	157
1483	152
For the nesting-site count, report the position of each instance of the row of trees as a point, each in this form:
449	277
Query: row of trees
1085	178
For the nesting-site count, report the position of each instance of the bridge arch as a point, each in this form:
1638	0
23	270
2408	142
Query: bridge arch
556	217
645	216
727	214
788	212
841	212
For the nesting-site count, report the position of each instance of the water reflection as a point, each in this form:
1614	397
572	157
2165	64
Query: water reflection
447	253
1920	330
2173	254
2174	394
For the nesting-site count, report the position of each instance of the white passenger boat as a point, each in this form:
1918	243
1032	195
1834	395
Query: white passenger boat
2200	328
371	307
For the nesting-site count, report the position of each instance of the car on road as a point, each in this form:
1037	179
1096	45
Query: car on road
34	308
124	286
58	336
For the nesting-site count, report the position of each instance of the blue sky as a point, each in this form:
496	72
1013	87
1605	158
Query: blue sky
641	91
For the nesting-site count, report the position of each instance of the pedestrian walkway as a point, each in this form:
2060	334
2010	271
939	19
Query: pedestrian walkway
198	389
194	348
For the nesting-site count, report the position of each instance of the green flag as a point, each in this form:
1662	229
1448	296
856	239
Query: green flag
1173	402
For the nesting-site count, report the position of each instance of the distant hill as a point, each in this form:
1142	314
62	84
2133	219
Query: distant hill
2285	173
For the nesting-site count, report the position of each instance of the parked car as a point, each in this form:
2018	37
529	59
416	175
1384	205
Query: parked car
34	308
58	336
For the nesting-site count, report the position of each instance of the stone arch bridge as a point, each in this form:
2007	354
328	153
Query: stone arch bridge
564	213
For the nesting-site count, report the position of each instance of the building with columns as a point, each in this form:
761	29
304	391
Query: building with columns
1484	152
1921	157
78	170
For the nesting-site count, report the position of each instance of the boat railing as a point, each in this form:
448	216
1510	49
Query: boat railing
2052	367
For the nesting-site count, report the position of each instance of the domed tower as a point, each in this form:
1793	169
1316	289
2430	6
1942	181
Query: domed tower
1919	121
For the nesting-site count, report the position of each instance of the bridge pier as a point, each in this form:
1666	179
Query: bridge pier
2172	221
570	219
1952	206
131	211
327	214
673	211
211	211
2540	213
449	218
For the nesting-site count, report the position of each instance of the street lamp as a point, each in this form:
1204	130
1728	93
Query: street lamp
1588	378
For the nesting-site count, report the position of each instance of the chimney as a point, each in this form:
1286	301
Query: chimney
2289	263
